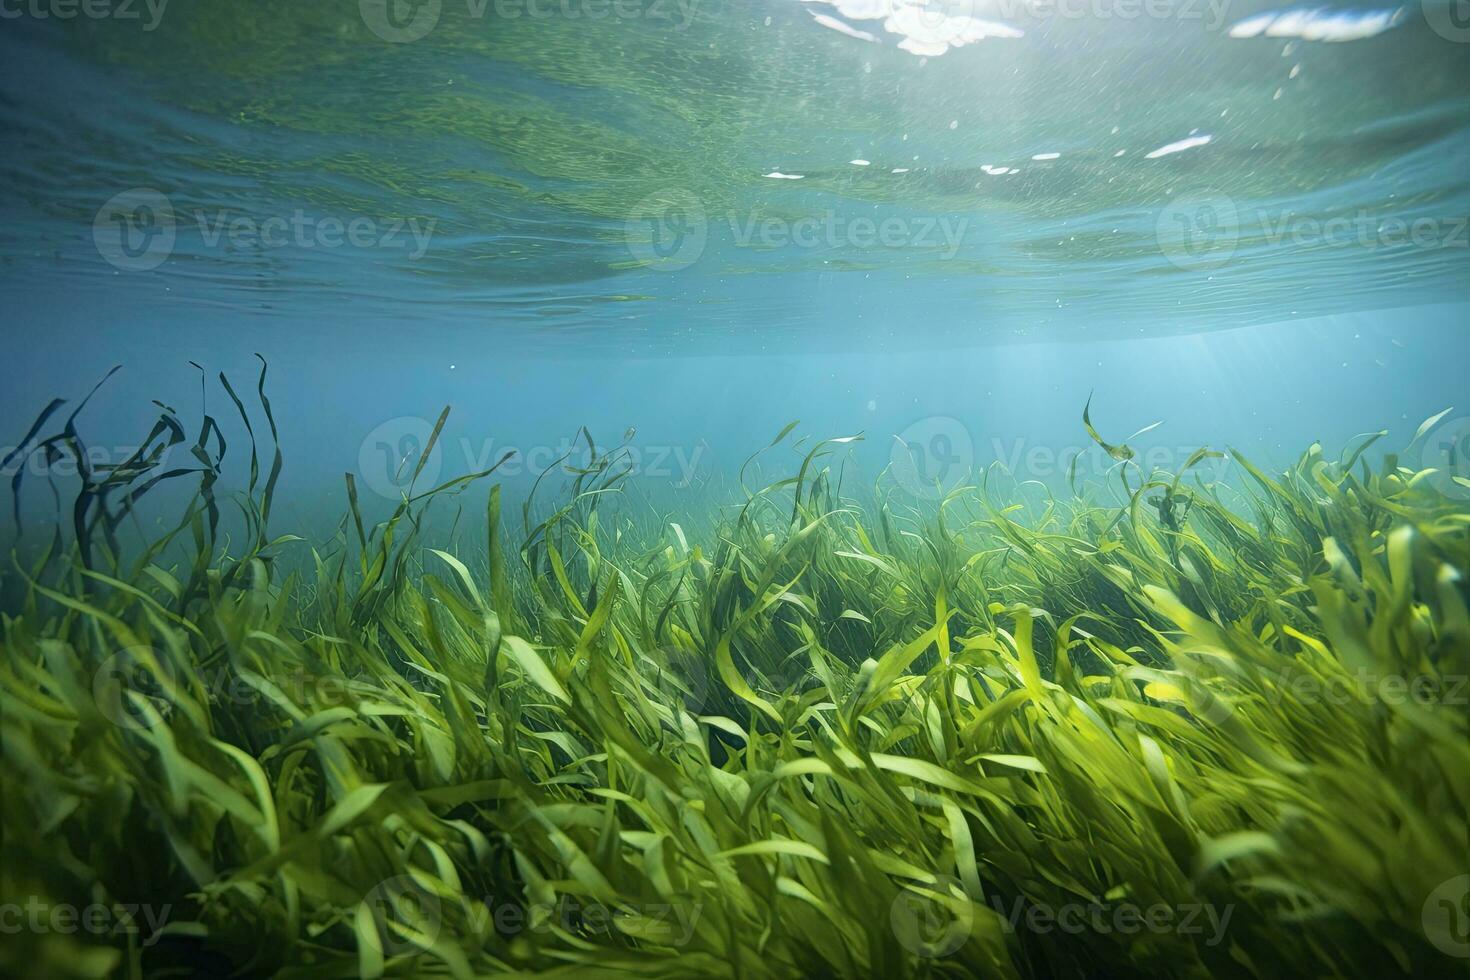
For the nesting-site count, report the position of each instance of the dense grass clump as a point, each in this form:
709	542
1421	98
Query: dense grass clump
1207	732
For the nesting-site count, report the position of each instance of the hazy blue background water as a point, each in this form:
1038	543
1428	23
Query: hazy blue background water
1260	240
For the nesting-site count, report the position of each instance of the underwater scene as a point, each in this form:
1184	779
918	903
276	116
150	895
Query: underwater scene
735	488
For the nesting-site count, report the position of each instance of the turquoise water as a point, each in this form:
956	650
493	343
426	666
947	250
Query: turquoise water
713	429
702	220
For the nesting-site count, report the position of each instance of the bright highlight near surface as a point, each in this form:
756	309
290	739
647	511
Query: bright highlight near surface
925	28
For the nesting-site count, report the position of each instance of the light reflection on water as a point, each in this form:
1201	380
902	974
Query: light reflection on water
705	173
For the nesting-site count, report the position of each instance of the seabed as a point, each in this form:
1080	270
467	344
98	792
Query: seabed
1157	725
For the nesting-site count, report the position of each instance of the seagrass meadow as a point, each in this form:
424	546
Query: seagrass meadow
1156	725
875	646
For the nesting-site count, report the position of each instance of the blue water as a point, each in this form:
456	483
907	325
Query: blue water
701	221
